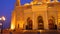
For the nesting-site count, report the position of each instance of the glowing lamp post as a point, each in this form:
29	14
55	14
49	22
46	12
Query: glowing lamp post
2	19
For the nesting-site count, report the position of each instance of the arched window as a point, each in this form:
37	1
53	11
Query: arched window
29	24
40	19
51	23
40	22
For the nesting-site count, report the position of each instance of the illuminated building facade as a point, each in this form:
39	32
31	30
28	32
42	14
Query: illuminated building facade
36	15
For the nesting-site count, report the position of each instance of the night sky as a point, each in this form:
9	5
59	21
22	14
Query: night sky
6	8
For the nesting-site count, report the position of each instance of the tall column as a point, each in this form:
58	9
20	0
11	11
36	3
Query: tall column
13	19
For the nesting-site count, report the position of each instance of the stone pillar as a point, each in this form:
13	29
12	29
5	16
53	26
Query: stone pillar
13	20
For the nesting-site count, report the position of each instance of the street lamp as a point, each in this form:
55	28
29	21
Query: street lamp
2	19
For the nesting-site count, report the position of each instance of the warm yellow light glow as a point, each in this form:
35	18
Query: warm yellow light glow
21	24
49	7
35	2
31	3
47	2
39	2
41	30
13	22
57	1
12	26
26	4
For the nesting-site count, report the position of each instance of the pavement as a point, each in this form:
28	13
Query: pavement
32	32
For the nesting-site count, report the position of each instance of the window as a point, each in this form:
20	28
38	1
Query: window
29	24
40	19
51	23
40	22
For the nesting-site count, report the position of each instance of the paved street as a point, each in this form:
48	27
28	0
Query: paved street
34	32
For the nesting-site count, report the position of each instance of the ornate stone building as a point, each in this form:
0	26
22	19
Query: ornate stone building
38	14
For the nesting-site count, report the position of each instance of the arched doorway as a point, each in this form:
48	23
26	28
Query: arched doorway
51	23
29	24
40	22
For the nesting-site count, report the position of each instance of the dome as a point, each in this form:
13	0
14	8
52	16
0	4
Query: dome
26	4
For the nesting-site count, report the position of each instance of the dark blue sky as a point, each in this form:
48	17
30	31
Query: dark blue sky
6	8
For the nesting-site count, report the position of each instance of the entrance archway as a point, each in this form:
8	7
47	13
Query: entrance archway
40	22
29	24
51	23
